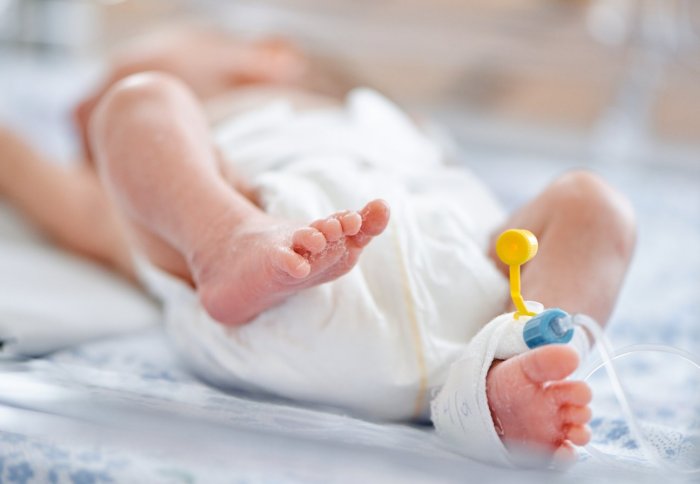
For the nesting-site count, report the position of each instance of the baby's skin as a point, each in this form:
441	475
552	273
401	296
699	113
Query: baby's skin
241	270
533	406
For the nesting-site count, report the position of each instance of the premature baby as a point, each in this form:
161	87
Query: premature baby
324	250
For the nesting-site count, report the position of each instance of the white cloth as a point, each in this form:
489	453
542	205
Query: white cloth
50	299
460	411
378	340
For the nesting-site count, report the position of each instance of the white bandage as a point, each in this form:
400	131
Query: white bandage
460	411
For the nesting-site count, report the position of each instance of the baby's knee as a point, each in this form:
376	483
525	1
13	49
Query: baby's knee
588	201
138	95
136	106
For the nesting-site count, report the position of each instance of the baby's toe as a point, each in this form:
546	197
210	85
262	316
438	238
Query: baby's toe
549	363
569	392
291	263
575	415
351	222
578	434
330	227
308	239
375	217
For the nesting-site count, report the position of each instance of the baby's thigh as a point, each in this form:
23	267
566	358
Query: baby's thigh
578	202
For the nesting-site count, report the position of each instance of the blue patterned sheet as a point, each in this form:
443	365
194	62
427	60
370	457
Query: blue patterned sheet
124	409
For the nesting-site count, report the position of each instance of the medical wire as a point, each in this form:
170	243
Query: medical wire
607	355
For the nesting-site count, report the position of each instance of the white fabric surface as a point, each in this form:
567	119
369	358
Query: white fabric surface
378	340
50	299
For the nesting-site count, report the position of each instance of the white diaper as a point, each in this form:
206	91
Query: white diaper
379	340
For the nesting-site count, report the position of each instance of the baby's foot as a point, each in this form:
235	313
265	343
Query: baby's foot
531	405
241	272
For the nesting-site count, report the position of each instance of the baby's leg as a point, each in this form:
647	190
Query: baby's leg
586	234
153	150
67	203
586	237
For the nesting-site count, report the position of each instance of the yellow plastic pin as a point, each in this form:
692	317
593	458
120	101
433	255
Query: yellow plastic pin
515	247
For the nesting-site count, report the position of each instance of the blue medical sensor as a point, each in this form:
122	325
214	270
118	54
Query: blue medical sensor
552	326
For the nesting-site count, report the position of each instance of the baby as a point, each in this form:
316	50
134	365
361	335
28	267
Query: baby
277	259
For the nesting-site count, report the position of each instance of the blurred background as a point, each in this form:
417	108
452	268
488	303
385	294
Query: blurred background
587	80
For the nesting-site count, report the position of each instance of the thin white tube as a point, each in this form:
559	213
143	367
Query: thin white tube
607	356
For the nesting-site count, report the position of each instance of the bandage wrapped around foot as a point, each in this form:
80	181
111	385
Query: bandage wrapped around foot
460	411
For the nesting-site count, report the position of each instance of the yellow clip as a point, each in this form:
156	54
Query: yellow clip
515	247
